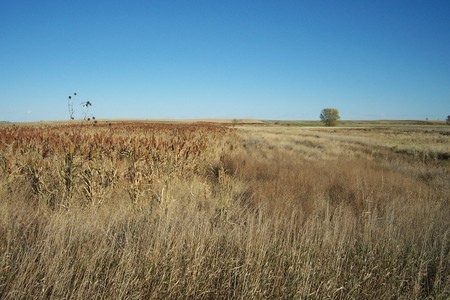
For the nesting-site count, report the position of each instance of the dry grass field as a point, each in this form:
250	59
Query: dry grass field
167	211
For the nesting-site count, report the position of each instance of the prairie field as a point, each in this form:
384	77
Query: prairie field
134	210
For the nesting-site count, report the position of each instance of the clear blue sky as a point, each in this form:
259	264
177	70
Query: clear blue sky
225	59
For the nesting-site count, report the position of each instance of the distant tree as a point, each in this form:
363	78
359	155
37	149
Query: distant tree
329	116
448	120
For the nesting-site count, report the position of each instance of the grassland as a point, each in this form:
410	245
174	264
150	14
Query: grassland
153	211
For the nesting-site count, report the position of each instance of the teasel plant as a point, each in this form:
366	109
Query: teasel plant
86	106
70	106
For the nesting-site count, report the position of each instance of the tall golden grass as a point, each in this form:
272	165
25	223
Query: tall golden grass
203	211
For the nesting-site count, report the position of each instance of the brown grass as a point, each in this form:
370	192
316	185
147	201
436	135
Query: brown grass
121	211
